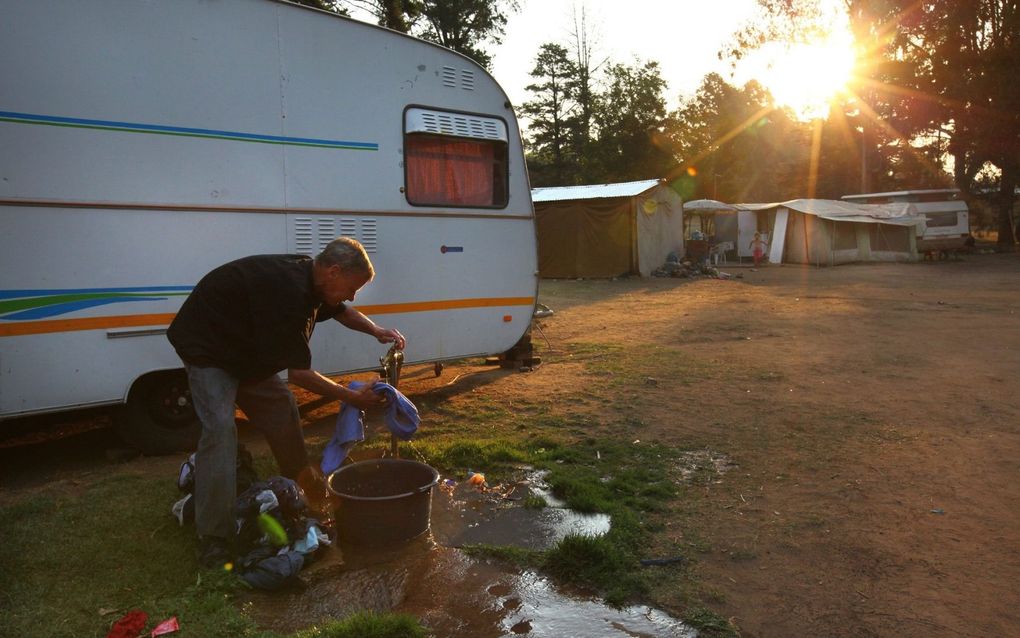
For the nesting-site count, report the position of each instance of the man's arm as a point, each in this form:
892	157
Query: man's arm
314	382
355	320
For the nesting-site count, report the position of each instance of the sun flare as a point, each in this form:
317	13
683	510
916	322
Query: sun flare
805	77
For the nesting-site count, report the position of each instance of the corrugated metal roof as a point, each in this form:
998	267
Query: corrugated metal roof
592	191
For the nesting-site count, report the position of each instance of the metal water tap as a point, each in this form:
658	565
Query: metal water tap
391	364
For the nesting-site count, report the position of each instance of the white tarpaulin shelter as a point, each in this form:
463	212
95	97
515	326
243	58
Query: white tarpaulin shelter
606	230
829	232
709	205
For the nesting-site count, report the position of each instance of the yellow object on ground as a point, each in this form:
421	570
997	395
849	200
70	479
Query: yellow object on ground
272	528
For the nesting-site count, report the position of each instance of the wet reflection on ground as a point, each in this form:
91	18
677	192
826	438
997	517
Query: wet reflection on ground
464	515
454	594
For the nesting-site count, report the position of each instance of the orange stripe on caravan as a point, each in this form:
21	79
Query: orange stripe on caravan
83	323
128	321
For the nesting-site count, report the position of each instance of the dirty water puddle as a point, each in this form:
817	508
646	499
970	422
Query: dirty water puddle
458	595
463	515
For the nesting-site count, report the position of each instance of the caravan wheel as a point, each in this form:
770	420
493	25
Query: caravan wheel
159	417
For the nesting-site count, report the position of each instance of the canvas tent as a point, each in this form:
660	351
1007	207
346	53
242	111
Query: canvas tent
607	230
826	232
728	231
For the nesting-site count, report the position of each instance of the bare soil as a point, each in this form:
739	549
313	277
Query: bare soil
865	426
873	415
864	419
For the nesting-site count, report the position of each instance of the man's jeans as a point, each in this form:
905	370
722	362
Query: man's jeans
270	406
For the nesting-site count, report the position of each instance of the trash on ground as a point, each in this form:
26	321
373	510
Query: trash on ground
476	478
542	311
688	270
168	626
129	625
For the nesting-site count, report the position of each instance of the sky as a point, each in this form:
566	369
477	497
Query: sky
683	36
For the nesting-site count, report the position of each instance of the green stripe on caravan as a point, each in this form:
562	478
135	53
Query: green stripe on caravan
158	129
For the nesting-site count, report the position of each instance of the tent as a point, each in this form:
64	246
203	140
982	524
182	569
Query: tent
826	232
607	230
716	223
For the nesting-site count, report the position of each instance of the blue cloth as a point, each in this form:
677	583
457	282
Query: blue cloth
401	418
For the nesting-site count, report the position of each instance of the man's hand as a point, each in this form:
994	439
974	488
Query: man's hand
365	398
391	335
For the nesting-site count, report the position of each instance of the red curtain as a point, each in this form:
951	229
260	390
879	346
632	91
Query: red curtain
449	172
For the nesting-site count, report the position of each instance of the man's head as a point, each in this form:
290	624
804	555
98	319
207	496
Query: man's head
341	269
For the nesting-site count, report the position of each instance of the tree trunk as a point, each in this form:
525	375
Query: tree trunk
1007	195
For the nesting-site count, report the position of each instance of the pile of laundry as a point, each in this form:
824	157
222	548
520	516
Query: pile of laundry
674	267
277	532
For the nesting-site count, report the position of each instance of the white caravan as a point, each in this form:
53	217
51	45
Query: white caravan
947	219
144	143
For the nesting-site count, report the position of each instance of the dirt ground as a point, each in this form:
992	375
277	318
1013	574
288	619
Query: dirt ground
876	437
868	415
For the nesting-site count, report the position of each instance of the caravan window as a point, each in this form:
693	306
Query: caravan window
941	219
454	159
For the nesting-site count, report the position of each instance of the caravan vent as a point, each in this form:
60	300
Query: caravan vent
349	228
326	232
311	234
363	230
455	124
449	75
369	236
467	80
304	242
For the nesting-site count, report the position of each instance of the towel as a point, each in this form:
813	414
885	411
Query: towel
401	418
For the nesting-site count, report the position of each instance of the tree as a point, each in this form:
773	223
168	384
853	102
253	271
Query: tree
548	112
585	94
325	5
464	25
732	144
941	79
629	120
461	25
954	72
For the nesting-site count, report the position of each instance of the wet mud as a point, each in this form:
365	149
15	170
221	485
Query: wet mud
458	595
463	515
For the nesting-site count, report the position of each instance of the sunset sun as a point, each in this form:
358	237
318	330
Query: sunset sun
805	77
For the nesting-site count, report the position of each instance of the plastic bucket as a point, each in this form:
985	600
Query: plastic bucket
383	501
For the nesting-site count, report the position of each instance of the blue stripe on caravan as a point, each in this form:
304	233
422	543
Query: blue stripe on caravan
15	294
182	130
71	306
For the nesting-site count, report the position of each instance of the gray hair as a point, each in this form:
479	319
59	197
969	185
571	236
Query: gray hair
347	253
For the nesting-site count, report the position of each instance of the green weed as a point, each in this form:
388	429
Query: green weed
709	623
367	625
515	555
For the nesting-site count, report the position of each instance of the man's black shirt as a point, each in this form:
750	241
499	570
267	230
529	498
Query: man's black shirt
251	317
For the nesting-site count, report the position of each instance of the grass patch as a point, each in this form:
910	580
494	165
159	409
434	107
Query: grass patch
610	476
515	555
708	623
534	503
367	625
599	561
72	565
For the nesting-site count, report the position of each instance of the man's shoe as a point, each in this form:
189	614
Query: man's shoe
214	552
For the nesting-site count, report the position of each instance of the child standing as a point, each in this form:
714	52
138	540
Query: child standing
757	248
